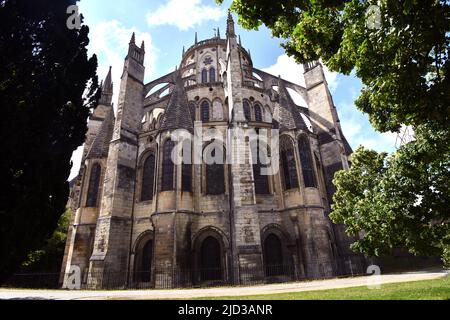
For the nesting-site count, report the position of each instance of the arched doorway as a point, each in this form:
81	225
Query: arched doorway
210	260
143	260
273	256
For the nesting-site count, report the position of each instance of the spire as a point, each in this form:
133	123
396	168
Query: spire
107	90
230	25
196	38
184	51
134	52
249	53
107	85
218	32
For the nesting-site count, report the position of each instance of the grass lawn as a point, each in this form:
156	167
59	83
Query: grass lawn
419	290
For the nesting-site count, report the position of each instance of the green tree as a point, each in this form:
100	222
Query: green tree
399	200
47	86
403	64
402	60
49	257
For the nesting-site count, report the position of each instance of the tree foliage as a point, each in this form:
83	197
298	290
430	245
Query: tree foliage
403	64
49	257
47	86
403	61
399	200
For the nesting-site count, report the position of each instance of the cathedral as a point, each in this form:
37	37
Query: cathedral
141	218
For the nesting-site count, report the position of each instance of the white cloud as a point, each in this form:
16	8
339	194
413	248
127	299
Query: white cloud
384	142
288	69
184	14
109	41
332	78
291	71
358	131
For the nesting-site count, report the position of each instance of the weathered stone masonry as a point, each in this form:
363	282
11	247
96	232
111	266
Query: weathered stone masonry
141	219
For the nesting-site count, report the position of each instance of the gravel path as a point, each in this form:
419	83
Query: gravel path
220	292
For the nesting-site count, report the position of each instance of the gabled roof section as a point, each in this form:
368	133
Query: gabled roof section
100	145
177	114
289	115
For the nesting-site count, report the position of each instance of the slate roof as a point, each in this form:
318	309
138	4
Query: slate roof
177	114
100	145
290	117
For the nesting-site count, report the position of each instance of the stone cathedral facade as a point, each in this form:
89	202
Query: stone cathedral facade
139	217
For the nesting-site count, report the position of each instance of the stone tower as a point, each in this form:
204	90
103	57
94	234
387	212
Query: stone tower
223	214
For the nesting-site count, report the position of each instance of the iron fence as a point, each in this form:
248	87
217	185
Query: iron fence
248	275
166	278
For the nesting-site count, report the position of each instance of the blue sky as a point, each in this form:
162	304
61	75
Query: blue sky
168	25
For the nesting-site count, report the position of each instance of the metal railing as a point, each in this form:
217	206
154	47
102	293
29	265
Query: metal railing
186	278
247	275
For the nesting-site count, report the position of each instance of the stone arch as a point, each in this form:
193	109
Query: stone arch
211	255
169	78
159	90
299	90
143	252
277	253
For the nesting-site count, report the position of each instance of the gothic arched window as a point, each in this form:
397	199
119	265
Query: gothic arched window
261	181
247	112
167	167
212	75
306	162
148	173
215	177
204	76
94	183
186	171
205	111
258	113
273	255
289	170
